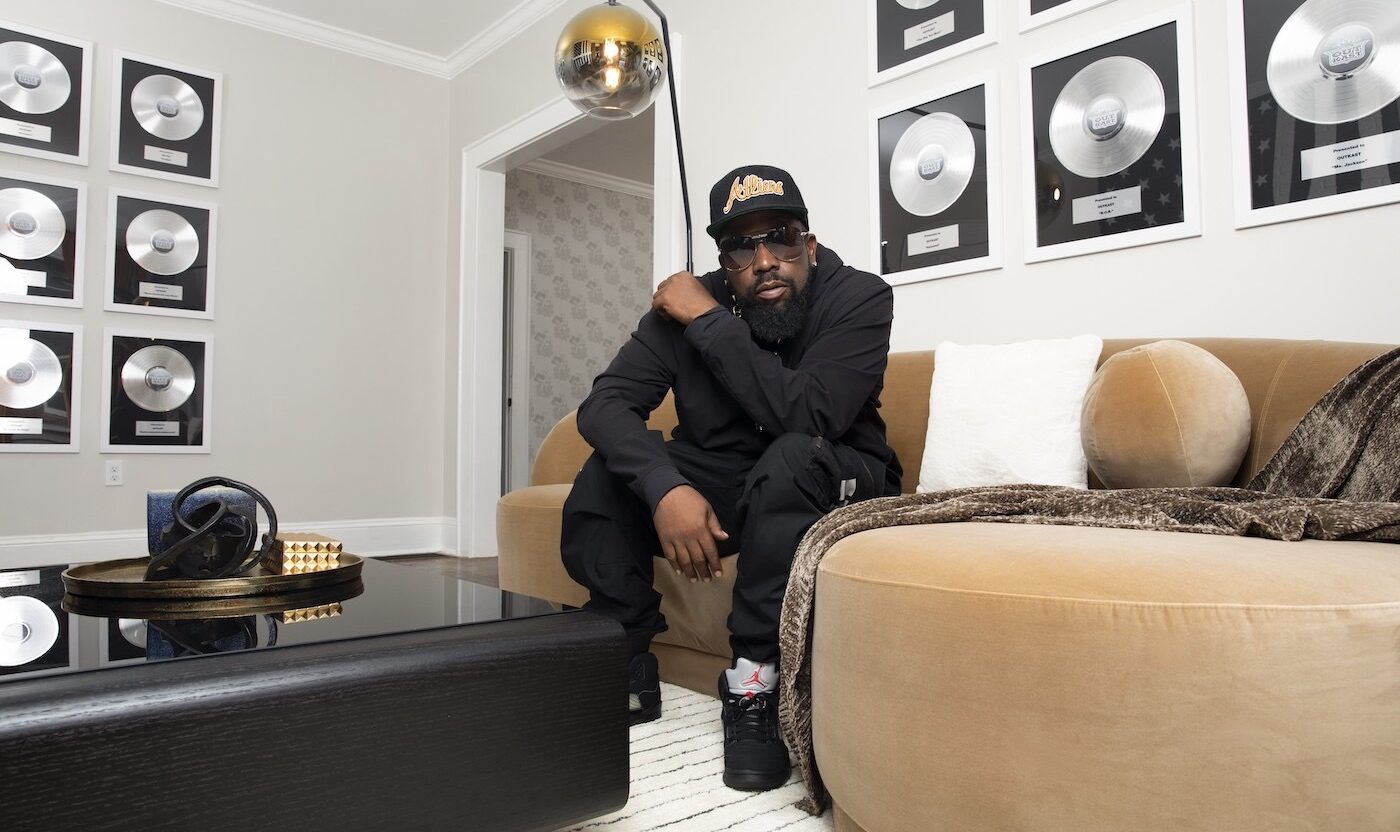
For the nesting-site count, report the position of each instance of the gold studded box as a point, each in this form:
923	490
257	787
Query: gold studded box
309	613
297	553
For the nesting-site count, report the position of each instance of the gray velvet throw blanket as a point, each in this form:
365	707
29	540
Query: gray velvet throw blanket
1336	477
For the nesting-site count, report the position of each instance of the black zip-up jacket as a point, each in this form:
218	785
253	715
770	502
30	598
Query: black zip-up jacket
734	394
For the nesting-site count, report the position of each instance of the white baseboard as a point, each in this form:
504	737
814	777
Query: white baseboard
367	538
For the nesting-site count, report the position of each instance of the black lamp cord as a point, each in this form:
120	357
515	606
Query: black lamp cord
676	121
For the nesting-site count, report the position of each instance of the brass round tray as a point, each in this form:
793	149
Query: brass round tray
126	579
175	609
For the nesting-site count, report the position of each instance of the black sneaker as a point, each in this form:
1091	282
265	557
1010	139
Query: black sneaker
643	690
755	758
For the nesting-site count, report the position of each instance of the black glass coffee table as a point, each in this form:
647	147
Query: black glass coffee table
417	702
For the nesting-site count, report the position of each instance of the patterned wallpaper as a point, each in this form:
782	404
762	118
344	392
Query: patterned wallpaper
590	281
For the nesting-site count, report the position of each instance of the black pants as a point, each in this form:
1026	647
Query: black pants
765	504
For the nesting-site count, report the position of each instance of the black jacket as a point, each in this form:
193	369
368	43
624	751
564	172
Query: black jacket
734	394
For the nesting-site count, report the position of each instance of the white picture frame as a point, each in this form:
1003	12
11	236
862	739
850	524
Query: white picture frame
121	115
1034	20
1190	226
995	258
878	76
75	383
80	232
1246	215
18	126
209	247
69	623
108	372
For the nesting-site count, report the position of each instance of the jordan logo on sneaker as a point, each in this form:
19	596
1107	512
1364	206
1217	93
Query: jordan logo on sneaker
755	679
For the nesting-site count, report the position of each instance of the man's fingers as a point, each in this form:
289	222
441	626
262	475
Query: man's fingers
718	533
707	543
684	560
699	570
669	549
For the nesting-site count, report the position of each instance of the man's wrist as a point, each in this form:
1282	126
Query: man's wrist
713	308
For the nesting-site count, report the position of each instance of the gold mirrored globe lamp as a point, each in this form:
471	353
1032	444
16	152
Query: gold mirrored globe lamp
610	61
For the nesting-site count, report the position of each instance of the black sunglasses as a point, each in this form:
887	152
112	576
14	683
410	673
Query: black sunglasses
738	252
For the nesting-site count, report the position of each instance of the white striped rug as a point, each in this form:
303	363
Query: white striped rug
676	785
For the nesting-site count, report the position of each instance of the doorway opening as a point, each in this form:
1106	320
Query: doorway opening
481	353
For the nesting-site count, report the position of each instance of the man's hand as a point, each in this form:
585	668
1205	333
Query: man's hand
682	298
688	528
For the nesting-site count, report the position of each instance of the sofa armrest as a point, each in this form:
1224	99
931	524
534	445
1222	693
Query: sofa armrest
563	451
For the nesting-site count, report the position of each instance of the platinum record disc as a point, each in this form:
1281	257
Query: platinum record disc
133	630
916	4
31	224
167	107
28	630
29	371
1107	116
1337	61
162	242
32	80
158	378
932	164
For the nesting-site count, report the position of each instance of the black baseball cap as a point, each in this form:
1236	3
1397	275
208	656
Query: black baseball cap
751	188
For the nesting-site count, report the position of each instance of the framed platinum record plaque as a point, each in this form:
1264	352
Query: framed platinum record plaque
908	35
41	240
1109	137
937	185
160	256
1036	13
40	374
165	120
156	392
1315	94
39	637
123	641
45	80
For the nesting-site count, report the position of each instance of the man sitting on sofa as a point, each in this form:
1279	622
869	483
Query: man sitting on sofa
777	362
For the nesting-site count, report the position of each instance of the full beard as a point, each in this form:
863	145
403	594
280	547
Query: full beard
773	323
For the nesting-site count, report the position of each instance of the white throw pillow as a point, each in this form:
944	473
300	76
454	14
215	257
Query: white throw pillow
1008	414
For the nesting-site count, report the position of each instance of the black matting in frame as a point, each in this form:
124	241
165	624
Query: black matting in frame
1277	140
968	213
1157	173
133	285
903	34
55	415
132	425
1038	6
59	131
59	267
45	586
138	148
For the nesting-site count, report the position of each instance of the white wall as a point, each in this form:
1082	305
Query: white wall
785	83
332	263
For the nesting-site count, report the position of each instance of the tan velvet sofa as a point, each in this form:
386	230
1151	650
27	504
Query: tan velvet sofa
976	677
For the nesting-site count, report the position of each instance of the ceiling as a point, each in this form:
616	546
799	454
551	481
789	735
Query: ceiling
437	27
439	37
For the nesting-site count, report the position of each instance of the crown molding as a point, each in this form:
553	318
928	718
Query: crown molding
321	34
526	14
558	170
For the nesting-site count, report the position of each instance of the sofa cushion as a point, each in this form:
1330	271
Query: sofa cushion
1084	678
1165	414
1007	414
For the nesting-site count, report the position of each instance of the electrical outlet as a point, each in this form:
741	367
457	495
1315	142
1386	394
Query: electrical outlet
112	472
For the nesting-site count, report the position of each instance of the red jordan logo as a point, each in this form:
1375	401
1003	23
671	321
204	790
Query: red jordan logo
754	680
